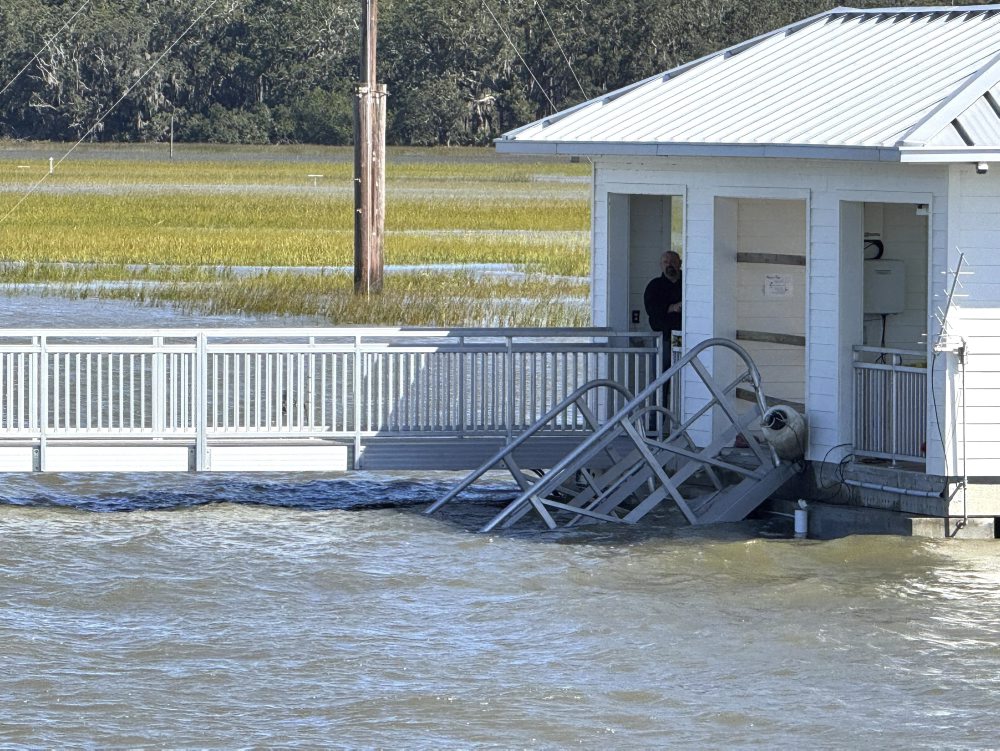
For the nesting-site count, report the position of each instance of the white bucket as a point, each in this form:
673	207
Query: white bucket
801	523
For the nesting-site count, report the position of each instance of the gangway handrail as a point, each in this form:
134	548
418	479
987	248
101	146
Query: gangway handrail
544	420
621	420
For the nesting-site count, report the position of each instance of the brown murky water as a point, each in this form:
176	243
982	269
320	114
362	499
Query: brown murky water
295	612
327	612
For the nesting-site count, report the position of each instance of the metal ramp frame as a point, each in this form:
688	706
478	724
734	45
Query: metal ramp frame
619	473
505	457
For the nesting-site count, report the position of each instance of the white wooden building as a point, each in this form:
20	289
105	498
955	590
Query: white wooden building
822	183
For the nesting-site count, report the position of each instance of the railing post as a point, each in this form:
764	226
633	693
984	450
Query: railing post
158	396
509	408
893	410
357	401
677	390
856	401
310	395
461	386
201	403
43	401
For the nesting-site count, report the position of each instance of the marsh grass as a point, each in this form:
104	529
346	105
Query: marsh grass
223	208
22	164
412	299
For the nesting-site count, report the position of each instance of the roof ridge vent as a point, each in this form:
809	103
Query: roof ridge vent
968	15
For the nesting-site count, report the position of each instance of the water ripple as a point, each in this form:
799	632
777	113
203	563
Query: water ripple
306	612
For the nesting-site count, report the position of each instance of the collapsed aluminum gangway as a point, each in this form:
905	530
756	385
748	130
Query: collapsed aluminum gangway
623	470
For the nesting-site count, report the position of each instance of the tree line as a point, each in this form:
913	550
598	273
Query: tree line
284	71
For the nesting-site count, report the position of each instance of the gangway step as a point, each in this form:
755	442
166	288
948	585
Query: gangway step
736	502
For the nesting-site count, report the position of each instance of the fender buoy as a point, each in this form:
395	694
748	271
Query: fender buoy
785	430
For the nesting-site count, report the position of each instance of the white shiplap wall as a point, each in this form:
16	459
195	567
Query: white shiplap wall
976	231
824	186
773	226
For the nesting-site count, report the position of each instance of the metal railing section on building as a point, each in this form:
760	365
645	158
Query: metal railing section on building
335	383
890	403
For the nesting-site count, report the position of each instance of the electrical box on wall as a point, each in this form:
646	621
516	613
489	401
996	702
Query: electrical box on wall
885	287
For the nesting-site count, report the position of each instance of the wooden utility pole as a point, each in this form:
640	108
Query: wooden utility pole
369	161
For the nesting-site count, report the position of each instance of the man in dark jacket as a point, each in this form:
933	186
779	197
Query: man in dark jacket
662	299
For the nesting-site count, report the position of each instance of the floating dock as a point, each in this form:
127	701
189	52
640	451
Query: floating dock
136	400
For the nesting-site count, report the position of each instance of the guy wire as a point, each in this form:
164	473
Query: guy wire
561	50
519	57
108	111
47	43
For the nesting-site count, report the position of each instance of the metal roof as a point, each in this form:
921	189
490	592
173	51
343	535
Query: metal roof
898	84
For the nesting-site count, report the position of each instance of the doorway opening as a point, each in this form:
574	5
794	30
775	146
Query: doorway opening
886	295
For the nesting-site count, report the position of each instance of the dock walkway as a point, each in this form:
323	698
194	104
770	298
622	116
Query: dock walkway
322	399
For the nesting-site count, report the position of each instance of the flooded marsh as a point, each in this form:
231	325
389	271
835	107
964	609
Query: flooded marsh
113	210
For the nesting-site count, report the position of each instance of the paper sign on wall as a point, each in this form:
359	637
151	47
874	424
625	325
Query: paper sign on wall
777	285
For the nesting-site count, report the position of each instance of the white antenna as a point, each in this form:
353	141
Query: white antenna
947	341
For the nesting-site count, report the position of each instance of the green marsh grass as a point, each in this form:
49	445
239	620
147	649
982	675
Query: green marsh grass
411	299
116	208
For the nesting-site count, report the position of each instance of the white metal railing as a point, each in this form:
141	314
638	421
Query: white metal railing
271	383
890	403
675	398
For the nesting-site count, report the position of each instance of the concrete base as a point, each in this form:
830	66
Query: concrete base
828	521
904	489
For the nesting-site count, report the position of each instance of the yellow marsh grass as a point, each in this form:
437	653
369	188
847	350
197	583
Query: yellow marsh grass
253	209
257	207
270	227
273	247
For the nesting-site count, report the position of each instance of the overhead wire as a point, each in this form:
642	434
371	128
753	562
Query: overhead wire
555	38
519	56
524	62
109	110
47	43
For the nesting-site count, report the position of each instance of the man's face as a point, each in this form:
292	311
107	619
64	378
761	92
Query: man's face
670	264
